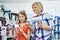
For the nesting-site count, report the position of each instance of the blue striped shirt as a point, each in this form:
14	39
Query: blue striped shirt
46	19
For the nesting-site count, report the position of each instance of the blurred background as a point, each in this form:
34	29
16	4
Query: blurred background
10	8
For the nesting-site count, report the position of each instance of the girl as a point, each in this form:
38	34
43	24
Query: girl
22	32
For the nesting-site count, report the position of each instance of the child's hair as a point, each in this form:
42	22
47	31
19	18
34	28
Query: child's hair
23	13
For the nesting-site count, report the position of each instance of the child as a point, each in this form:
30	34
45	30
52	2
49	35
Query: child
22	31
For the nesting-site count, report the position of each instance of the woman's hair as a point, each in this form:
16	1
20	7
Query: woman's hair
23	13
39	4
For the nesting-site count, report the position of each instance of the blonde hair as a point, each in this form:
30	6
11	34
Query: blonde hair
23	13
39	4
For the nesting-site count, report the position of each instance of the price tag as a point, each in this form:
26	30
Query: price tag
3	32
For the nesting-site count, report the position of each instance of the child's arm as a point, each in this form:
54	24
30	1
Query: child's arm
15	34
27	36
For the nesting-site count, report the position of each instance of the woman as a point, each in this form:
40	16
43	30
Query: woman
44	30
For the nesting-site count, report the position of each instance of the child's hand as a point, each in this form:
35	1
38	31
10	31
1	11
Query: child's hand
21	30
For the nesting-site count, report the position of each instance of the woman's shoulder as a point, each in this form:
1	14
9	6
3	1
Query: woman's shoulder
47	16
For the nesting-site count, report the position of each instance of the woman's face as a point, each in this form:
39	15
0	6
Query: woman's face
21	18
35	9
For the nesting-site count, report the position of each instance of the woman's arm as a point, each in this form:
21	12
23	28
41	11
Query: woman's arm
31	28
27	36
44	27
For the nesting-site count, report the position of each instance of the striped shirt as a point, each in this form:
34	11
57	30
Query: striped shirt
39	33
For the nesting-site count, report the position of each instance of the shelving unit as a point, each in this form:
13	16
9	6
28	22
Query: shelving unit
57	28
4	18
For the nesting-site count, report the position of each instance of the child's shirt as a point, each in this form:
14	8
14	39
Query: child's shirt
20	36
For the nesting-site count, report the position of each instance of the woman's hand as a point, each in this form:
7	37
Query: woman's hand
31	28
40	25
